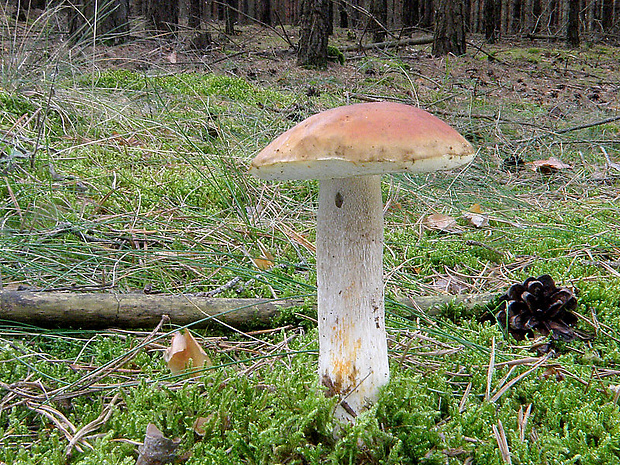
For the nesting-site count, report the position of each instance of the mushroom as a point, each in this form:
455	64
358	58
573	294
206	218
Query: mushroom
347	149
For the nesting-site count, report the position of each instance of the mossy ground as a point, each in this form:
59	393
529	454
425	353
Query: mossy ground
139	182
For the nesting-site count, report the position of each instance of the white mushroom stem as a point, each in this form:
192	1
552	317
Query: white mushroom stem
353	361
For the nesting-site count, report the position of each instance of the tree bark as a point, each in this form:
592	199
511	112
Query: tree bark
450	34
411	13
378	11
194	13
163	15
104	310
490	20
230	15
102	20
572	29
314	35
24	7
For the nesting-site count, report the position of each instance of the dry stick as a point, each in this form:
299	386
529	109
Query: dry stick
389	44
105	310
62	423
571	129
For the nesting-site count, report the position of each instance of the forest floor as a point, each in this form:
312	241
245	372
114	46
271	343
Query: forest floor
125	169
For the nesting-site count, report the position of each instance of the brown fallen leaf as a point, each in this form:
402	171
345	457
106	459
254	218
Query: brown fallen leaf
548	166
200	424
476	217
184	348
172	58
156	449
441	222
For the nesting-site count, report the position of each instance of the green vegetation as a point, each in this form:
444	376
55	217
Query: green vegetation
126	180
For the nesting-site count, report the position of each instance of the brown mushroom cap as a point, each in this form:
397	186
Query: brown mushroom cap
363	139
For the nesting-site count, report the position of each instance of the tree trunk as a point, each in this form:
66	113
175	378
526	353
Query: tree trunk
24	7
378	11
264	10
572	30
163	15
314	35
230	14
411	13
490	20
450	34
99	20
529	20
194	13
427	13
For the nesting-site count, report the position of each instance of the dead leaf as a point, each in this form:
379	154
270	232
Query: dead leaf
265	262
548	166
156	448
441	222
476	208
200	424
476	217
172	58
184	348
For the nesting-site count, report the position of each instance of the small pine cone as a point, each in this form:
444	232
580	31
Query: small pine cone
538	306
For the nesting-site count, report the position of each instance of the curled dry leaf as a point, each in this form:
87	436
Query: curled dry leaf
441	222
476	217
548	166
266	262
183	349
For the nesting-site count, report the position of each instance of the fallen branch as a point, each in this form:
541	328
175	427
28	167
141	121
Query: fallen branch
105	310
389	44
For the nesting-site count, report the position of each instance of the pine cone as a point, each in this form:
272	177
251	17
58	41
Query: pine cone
538	306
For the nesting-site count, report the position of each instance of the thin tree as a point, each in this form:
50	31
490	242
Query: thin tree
24	7
449	36
312	48
572	29
100	20
378	19
230	15
163	15
491	16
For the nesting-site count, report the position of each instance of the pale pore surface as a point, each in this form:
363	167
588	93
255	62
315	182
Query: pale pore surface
353	346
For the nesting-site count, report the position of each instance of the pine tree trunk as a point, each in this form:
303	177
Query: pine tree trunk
411	13
314	35
194	13
490	20
427	12
24	7
231	16
102	20
163	15
572	30
378	11
450	34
